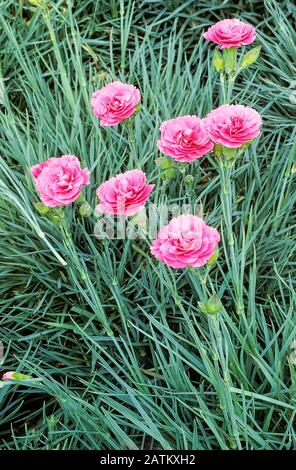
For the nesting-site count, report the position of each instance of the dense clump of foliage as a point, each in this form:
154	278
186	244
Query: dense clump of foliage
171	376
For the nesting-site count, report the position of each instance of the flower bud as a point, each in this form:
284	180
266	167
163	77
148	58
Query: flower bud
85	210
55	219
169	173
250	57
142	352
188	180
56	216
203	307
212	306
41	208
218	61
164	163
15	376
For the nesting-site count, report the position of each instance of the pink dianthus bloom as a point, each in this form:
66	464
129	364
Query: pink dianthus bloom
184	138
233	124
59	180
115	102
231	33
124	194
186	241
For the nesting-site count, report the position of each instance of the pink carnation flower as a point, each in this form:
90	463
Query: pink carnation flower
186	241
124	194
115	102
184	138
59	180
231	33
233	124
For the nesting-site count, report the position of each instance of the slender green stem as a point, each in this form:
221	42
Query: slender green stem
226	199
223	90
132	141
203	293
226	170
230	85
226	196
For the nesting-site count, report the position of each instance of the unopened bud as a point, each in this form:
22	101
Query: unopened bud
164	163
203	307
85	210
15	376
41	208
189	179
250	57
212	306
169	173
218	61
56	217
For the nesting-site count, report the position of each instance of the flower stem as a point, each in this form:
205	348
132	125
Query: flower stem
201	286
226	176
226	170
132	141
223	89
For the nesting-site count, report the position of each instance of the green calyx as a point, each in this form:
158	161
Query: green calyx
213	258
41	208
218	61
250	57
229	55
212	306
85	210
164	163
